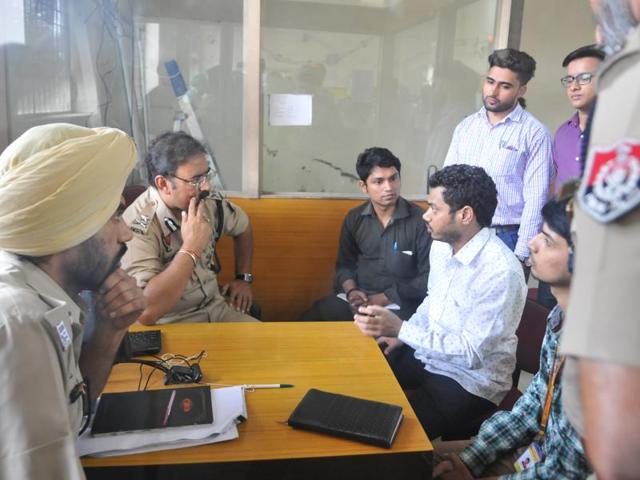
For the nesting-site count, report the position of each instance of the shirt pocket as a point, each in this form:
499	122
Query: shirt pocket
402	265
508	163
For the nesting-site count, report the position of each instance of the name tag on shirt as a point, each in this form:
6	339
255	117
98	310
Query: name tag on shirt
63	333
532	455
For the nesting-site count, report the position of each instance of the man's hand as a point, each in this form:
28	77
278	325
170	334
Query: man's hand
377	321
379	299
119	302
452	469
390	342
196	228
239	295
357	298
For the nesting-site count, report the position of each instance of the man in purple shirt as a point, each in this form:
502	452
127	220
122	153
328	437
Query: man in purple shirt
580	82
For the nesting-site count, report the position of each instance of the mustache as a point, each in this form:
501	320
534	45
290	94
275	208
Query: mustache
115	263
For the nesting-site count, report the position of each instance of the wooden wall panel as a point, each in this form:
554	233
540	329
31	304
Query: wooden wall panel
295	247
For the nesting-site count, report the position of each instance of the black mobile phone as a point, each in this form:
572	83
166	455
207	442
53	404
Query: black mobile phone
201	196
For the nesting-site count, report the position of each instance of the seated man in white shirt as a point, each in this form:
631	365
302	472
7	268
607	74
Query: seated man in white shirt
458	350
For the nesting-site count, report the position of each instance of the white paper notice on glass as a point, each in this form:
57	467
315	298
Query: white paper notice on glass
290	110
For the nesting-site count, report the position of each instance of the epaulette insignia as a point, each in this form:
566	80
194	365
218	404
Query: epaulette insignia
141	224
611	182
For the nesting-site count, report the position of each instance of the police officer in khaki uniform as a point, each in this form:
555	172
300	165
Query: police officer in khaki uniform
602	337
59	235
172	253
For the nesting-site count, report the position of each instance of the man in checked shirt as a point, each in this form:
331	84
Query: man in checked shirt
511	145
511	437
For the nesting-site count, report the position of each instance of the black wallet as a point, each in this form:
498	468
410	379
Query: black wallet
367	421
150	409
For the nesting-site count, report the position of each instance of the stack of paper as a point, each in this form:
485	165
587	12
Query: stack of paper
229	408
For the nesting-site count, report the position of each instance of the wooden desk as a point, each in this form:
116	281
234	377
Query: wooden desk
332	356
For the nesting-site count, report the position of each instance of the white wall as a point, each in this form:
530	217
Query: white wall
550	30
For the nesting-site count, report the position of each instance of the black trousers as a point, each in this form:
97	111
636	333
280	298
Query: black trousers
331	308
440	403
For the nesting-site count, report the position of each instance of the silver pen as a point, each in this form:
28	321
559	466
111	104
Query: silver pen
268	385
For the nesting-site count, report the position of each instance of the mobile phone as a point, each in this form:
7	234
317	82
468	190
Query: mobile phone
201	196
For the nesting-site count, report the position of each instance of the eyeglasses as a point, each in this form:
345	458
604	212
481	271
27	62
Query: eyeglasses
196	182
582	79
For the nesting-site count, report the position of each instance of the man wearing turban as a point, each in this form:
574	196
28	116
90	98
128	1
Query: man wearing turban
60	233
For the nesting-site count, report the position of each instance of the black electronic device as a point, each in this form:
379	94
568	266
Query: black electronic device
150	409
358	419
202	195
147	342
183	374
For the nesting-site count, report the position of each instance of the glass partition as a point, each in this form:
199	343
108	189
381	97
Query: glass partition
206	46
340	76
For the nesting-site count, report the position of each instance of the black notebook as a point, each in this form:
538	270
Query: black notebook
367	421
149	409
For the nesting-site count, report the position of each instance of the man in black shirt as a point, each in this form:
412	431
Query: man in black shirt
383	258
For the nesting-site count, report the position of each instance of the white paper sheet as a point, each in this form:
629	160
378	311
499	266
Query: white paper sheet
228	407
391	306
290	110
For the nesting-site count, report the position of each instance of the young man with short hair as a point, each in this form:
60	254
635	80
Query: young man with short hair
457	352
383	255
580	81
511	145
504	438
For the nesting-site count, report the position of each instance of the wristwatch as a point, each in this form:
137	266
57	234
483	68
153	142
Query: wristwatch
245	277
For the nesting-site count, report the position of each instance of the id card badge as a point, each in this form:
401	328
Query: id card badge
532	455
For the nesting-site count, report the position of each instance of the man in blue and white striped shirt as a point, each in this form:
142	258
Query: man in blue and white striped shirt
511	145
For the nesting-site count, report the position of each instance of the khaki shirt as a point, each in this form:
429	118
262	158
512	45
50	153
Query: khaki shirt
40	340
602	318
154	246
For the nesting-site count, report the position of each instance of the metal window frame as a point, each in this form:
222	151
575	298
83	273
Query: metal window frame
507	34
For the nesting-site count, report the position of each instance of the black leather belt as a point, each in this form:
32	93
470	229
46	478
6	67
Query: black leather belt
505	228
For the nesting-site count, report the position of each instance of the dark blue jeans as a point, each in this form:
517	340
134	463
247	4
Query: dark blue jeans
509	235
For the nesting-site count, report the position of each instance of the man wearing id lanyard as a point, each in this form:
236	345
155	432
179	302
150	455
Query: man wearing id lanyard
534	439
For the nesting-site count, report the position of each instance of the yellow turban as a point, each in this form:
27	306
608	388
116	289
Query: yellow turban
59	185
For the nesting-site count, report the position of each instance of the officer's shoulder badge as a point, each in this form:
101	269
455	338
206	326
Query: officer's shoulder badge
142	221
611	183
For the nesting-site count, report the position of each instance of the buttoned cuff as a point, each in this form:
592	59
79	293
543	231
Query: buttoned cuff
472	457
521	250
409	332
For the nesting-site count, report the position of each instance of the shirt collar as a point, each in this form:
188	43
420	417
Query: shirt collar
401	210
45	286
555	319
574	121
471	249
162	211
514	116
